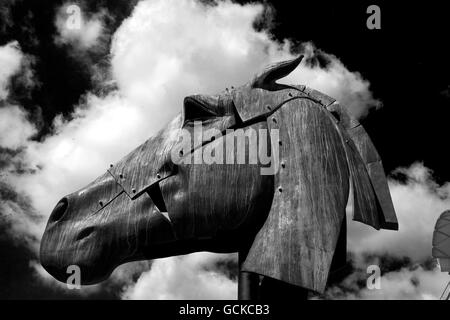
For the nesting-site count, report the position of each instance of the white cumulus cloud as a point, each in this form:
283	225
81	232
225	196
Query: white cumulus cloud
413	282
418	204
11	58
15	129
183	277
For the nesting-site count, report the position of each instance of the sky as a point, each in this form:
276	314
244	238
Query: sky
74	100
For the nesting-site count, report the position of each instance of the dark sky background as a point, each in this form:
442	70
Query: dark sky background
407	63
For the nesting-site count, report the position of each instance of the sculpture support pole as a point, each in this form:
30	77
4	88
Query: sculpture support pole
248	282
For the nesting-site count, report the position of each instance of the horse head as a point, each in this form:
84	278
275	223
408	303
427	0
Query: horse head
265	167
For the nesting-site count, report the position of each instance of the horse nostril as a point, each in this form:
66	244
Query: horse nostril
85	233
59	210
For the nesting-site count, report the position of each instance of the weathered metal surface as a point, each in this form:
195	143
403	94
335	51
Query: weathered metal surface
252	103
97	196
290	221
262	94
267	78
205	199
322	98
147	164
297	242
441	241
365	206
388	218
381	213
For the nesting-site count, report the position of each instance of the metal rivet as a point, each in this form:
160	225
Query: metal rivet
133	190
290	94
100	203
232	87
181	153
280	189
110	165
274	120
283	165
280	143
213	138
268	107
121	176
158	176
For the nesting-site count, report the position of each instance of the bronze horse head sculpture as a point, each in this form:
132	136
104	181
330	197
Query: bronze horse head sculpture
289	223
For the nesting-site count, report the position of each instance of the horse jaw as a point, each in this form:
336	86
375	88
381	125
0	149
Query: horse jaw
97	238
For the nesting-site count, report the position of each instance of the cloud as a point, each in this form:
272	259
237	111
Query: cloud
184	277
418	203
411	282
15	129
5	14
77	29
15	133
10	63
183	43
348	87
163	52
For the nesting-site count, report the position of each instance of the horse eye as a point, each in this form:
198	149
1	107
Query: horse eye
195	109
194	113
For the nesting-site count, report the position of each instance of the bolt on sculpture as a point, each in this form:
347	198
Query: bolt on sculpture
288	226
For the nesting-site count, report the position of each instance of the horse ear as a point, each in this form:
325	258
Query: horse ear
268	77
